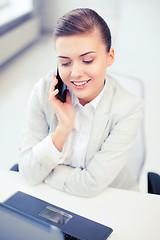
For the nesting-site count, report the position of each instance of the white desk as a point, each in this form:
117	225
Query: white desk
132	215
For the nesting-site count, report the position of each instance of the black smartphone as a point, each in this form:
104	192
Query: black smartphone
62	88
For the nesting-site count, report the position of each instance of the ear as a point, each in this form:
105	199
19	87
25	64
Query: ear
110	57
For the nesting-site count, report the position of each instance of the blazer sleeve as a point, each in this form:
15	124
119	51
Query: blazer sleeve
38	155
108	161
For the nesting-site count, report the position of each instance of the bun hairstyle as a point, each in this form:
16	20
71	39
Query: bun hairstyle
82	20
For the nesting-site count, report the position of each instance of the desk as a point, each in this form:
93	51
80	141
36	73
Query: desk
132	215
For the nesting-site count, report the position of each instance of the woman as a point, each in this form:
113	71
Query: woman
81	146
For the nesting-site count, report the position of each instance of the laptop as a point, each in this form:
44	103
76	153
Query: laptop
25	217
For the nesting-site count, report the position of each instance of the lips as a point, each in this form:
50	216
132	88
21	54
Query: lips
80	84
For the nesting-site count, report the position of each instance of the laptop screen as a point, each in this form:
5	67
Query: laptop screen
15	226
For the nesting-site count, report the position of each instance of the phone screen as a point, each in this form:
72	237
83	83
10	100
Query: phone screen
61	87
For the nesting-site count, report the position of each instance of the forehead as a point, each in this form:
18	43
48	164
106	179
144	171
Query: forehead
79	44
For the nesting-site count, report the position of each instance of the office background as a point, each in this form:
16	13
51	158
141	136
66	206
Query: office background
27	53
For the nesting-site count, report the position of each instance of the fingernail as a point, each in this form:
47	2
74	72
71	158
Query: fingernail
56	91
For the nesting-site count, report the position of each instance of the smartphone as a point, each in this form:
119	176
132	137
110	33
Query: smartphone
62	88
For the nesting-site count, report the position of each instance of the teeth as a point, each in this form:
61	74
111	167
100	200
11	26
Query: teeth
79	83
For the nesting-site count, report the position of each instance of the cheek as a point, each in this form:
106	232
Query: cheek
98	71
65	74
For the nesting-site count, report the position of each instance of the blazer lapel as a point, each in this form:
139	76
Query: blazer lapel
100	121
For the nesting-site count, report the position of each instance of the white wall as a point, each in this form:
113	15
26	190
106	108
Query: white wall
137	53
51	10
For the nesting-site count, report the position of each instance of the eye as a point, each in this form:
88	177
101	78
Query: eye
87	62
65	64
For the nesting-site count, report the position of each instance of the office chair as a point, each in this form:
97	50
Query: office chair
15	168
138	152
153	183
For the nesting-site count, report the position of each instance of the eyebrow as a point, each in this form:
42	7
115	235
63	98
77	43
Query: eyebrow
84	54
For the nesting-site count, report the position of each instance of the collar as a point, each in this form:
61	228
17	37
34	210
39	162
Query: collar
94	103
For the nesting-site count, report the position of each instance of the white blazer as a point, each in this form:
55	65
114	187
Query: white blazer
115	125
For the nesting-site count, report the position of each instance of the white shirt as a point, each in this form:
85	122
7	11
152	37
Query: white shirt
76	144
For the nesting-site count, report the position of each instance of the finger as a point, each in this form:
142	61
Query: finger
52	87
54	75
52	96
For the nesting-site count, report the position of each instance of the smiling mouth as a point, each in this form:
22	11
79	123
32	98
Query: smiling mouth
80	84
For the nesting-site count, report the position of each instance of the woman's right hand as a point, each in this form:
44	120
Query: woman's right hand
65	113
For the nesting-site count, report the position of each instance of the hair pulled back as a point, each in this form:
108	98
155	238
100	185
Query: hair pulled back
82	20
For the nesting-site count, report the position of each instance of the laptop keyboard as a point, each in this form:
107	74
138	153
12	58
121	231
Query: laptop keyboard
69	237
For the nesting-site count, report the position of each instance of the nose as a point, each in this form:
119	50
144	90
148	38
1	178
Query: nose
76	71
